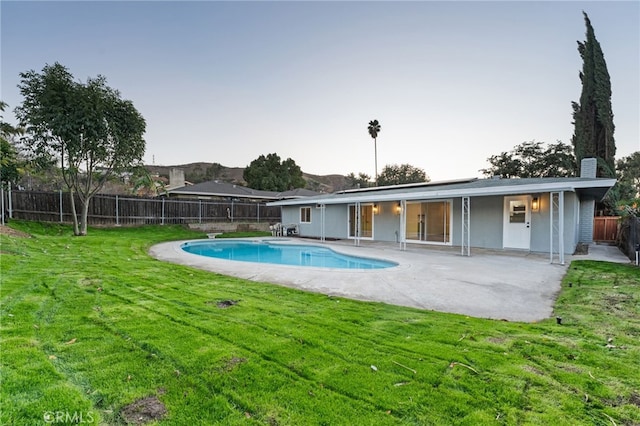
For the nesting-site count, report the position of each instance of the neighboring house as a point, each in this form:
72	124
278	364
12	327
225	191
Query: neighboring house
224	191
537	214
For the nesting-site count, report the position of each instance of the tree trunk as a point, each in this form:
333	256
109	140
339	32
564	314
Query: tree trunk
83	218
375	150
76	230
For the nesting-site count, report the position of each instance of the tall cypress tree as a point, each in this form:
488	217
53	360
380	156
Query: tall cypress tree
593	117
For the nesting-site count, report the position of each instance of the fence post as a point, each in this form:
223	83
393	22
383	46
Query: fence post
636	243
10	203
60	197
258	213
117	213
199	211
2	203
163	211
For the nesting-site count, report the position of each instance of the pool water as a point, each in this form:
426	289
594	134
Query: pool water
282	254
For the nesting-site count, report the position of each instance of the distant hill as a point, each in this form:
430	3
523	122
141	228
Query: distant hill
202	172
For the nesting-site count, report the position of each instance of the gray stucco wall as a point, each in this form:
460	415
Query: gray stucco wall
486	222
540	233
386	224
336	220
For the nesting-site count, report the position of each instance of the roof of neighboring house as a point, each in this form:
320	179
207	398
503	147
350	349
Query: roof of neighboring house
228	190
594	187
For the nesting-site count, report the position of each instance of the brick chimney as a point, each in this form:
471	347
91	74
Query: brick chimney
588	168
176	178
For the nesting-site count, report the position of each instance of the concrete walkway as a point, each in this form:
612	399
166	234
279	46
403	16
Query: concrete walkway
603	252
489	284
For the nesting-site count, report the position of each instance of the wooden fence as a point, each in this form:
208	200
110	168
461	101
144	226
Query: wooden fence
119	210
605	228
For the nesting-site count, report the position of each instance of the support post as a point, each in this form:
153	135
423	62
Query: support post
556	226
561	227
466	227
322	223
61	213
199	211
357	225
403	225
163	211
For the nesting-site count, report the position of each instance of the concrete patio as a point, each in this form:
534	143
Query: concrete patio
490	284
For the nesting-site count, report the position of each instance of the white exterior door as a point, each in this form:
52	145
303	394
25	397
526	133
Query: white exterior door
517	222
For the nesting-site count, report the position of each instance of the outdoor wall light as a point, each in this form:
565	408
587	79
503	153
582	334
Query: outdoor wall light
535	204
375	209
398	208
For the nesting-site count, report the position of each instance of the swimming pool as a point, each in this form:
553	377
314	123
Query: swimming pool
264	251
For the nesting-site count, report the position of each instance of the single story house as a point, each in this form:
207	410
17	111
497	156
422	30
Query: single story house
215	190
535	214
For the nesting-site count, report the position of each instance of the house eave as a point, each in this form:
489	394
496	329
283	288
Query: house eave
568	186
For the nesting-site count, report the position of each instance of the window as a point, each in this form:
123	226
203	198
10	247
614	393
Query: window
518	213
305	214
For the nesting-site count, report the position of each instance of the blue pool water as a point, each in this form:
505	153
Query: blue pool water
282	254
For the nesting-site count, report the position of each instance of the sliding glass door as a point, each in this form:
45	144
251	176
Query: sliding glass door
429	221
363	222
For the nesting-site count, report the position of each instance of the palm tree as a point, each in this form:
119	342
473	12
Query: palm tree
374	129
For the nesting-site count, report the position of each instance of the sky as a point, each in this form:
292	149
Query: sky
451	83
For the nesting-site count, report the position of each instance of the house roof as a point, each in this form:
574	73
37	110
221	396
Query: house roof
228	190
595	187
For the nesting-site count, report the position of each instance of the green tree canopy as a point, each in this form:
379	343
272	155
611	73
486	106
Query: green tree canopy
394	174
9	162
270	174
628	171
593	116
87	126
532	159
9	169
363	180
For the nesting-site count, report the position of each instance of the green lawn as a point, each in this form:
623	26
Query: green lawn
91	325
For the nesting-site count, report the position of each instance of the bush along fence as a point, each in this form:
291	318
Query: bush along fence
129	210
629	237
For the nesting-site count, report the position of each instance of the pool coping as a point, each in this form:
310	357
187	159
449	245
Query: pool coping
509	286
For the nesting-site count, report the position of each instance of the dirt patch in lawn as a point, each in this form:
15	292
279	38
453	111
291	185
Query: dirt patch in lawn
144	411
633	399
223	304
5	230
231	363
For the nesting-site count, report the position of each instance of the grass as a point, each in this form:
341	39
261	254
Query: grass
90	325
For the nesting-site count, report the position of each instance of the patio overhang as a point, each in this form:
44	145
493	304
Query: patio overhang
593	187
